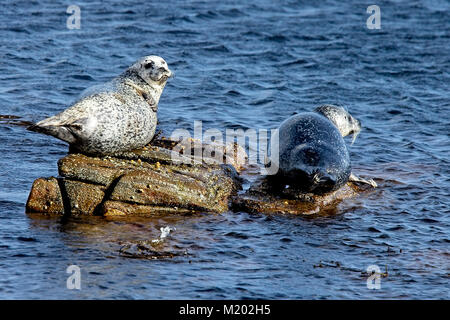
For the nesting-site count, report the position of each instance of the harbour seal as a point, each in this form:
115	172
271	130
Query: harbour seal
313	156
114	117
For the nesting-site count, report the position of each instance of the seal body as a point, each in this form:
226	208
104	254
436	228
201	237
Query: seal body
313	156
114	117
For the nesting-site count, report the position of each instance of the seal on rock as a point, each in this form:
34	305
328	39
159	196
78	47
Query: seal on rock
114	117
313	156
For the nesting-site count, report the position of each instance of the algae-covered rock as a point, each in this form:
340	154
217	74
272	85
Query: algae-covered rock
45	197
118	208
174	189
83	198
264	197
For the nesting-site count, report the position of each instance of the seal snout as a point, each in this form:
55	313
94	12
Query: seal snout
356	128
356	125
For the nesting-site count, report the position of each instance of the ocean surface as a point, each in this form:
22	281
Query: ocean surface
242	65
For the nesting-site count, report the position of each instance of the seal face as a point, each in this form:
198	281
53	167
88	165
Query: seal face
345	123
313	156
117	116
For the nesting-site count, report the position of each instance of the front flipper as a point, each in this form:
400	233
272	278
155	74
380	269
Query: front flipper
354	178
68	132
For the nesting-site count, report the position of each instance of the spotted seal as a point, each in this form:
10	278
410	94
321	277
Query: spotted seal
313	156
114	117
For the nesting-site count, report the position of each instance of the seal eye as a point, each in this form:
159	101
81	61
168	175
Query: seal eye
149	65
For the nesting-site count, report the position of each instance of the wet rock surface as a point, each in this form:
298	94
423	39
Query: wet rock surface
45	196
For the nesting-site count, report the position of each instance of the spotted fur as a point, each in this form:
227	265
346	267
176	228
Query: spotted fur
116	116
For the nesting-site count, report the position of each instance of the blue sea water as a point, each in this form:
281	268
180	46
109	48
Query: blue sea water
239	65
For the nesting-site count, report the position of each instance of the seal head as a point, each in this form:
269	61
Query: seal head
152	69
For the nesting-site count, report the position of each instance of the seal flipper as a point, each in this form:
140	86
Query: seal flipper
60	132
356	179
69	132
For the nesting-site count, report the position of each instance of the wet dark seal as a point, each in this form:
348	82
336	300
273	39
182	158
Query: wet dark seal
313	156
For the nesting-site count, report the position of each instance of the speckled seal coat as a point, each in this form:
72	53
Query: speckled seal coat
116	116
313	156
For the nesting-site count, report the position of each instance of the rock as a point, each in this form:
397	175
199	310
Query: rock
144	181
92	170
175	189
83	198
145	249
118	208
213	153
45	197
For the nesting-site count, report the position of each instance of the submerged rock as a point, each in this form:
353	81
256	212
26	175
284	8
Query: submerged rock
264	197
